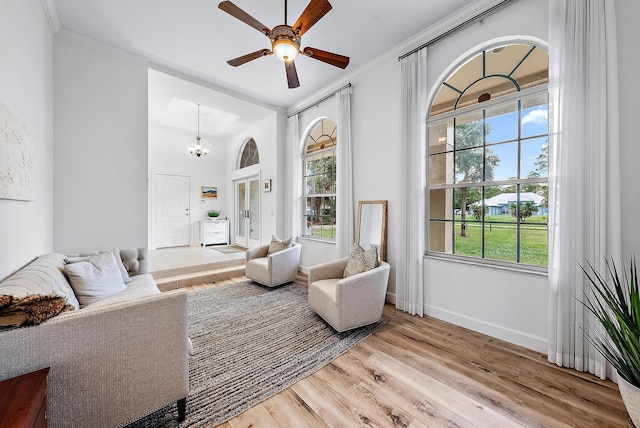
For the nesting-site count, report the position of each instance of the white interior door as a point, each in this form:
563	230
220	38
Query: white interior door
172	211
247	212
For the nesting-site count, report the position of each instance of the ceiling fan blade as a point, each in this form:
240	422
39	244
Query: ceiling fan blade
315	10
248	57
292	74
328	57
243	16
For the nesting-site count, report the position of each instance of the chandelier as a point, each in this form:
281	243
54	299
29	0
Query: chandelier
198	150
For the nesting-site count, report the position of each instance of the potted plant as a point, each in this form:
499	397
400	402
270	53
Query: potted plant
213	213
615	302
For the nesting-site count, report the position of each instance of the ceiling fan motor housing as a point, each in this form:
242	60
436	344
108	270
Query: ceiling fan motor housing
285	42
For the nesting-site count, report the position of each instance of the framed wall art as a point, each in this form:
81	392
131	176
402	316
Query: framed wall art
209	192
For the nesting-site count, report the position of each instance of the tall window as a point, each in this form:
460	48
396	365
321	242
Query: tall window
487	151
319	168
250	155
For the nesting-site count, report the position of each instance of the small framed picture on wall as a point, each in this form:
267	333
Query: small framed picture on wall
209	192
266	185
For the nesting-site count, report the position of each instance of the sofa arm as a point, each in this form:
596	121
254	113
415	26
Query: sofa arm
327	270
109	365
254	253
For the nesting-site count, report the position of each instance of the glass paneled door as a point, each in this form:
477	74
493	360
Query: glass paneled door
247	218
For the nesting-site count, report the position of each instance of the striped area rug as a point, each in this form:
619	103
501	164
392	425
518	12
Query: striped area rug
251	342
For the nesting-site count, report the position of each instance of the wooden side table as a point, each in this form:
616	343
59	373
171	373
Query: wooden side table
23	400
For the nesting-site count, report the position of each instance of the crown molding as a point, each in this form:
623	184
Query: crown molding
51	13
65	34
452	21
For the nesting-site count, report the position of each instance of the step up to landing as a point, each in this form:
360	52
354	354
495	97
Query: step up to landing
198	274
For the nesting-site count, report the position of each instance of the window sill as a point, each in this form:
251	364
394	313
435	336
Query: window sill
308	238
493	264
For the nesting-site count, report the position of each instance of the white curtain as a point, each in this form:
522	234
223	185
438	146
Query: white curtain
411	218
584	181
293	201
344	176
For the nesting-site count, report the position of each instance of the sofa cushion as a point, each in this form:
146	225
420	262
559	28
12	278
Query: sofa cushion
361	260
96	278
278	245
140	286
44	275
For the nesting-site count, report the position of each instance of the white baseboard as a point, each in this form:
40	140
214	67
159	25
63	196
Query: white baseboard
303	269
520	338
391	298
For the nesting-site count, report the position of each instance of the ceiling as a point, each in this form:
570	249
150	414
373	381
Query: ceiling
195	38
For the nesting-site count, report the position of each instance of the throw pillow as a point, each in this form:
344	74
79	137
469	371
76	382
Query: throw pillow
278	245
361	260
30	310
116	253
95	278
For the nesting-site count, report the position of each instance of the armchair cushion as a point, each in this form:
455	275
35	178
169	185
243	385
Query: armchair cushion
278	245
361	260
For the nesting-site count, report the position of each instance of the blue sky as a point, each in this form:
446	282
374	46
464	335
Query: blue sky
504	127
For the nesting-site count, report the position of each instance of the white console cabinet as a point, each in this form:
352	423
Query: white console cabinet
214	232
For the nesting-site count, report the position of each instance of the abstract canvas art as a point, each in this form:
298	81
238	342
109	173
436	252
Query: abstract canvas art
17	158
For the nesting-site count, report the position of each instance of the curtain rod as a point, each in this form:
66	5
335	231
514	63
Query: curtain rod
458	27
348	85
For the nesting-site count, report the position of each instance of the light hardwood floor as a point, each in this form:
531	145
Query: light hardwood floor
422	372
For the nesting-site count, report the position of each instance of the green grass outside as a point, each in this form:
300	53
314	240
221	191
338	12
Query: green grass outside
327	231
500	242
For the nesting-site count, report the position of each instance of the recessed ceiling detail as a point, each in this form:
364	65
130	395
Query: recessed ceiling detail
181	113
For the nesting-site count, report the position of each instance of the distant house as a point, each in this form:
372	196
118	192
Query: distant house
500	204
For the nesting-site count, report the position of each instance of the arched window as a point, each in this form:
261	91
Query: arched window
319	171
250	155
487	152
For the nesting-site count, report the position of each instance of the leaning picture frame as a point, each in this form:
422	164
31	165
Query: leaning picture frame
209	192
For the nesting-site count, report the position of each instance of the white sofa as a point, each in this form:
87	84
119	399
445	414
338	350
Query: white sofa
111	362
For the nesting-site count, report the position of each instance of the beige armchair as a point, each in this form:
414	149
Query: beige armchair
347	303
272	269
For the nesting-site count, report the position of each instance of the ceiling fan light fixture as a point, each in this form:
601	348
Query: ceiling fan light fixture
285	49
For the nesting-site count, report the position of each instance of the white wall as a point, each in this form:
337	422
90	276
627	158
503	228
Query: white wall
265	133
26	88
168	155
100	177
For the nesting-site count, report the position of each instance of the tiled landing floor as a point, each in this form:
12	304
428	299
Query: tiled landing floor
177	257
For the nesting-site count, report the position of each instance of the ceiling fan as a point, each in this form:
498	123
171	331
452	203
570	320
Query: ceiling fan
285	39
